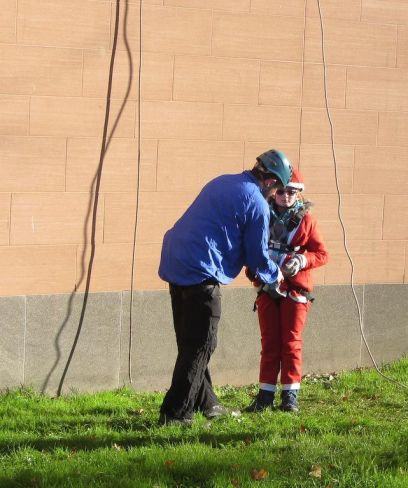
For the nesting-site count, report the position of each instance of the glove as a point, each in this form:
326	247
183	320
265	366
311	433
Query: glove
294	265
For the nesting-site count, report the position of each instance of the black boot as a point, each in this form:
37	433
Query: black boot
165	419
289	401
263	400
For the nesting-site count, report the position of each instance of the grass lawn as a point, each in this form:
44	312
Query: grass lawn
352	432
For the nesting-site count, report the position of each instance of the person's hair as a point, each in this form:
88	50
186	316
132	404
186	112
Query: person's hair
261	173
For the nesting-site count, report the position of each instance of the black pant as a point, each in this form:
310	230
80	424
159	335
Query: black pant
196	313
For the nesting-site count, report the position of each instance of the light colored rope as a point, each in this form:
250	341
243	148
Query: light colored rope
339	207
137	188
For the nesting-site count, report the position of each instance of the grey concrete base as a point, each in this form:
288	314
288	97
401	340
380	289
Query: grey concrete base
153	342
12	340
332	340
385	323
52	322
38	333
239	341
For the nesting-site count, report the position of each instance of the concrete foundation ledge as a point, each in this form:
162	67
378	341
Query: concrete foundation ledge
38	333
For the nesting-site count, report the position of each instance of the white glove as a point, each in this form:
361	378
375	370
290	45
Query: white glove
294	265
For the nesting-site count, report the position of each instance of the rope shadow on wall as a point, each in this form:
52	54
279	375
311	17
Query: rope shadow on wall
93	203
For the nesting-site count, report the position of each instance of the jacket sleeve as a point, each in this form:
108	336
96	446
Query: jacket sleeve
255	240
316	252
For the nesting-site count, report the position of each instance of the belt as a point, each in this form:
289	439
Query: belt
208	283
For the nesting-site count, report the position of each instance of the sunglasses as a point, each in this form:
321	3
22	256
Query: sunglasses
288	191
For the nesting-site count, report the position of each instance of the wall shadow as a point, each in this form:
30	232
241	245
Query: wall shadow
86	267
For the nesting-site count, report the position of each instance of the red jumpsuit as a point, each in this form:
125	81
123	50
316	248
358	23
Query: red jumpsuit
282	321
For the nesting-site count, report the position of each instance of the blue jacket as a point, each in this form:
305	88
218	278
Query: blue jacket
224	229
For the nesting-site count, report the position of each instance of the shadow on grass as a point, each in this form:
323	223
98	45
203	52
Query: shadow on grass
143	469
130	439
131	474
137	469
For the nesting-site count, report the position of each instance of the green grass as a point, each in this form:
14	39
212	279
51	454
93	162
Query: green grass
353	430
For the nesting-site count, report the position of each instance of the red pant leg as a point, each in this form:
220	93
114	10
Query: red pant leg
269	323
292	317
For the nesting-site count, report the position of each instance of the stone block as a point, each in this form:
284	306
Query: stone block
177	30
40	70
318	170
332	336
32	164
390	12
14	115
52	322
182	120
33	270
380	89
155	215
53	218
8	21
5	202
350	42
55	23
395	227
374	261
154	349
289	8
313	86
257	35
119	172
247	123
280	83
370	160
231	5
79	117
351	126
385	323
236	359
12	325
392	129
209	79
332	9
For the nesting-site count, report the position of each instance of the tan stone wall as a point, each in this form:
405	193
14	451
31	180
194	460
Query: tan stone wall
222	80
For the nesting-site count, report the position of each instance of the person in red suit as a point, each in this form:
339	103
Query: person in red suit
297	247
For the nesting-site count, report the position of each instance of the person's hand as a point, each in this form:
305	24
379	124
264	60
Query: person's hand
250	274
273	289
294	265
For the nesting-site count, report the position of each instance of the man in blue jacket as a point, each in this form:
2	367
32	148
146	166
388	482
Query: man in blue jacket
224	229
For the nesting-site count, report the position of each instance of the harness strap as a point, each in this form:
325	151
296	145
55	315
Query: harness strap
309	296
284	248
294	220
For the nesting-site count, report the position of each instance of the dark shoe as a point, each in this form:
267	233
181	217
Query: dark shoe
165	419
263	400
217	411
289	401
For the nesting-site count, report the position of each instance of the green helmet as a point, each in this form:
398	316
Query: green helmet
277	163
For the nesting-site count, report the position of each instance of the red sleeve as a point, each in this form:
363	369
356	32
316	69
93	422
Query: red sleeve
315	250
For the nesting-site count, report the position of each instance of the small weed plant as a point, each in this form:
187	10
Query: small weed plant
351	432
